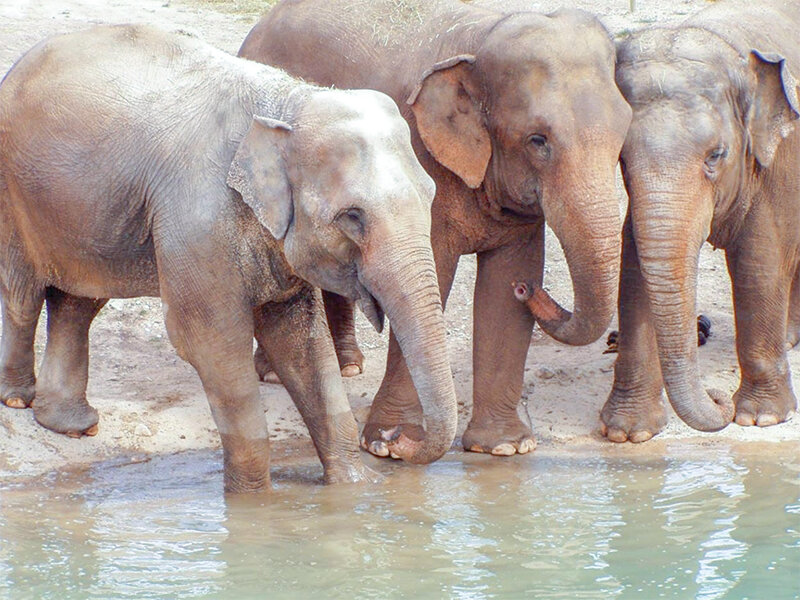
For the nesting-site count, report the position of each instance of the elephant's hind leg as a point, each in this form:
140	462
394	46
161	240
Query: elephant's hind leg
762	290
340	313
21	308
61	404
793	331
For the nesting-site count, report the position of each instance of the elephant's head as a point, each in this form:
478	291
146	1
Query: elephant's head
341	187
535	121
707	123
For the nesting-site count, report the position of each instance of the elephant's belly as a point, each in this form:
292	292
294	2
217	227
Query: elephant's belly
127	273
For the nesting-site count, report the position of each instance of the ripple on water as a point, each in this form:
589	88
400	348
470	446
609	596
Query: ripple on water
692	523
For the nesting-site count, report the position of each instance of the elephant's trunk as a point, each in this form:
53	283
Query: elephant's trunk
404	283
669	230
588	226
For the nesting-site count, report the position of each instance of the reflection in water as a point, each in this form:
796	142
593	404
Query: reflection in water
696	522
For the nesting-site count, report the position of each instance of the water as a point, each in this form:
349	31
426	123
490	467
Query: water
692	522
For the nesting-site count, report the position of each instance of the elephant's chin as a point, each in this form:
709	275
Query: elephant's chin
371	308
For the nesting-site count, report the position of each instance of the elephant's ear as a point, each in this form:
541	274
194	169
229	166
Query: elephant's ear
775	105
258	173
449	119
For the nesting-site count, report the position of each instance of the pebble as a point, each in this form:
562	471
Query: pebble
545	373
142	430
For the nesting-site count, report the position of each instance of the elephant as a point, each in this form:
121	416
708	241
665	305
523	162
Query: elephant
712	155
517	118
135	162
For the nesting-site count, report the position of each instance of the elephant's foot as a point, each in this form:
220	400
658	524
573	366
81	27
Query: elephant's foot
632	419
351	472
500	438
351	360
245	464
379	438
17	396
757	407
263	367
72	417
793	338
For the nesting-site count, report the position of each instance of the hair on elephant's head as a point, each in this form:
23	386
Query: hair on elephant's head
708	122
335	185
342	188
535	119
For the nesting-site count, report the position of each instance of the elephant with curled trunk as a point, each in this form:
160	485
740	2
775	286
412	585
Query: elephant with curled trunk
713	153
135	162
517	118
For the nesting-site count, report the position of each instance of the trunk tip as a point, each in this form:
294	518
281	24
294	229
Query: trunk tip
726	406
522	291
413	451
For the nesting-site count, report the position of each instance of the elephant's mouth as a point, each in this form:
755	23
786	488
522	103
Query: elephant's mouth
371	308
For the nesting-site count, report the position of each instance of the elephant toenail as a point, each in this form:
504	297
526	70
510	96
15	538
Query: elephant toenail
271	377
527	446
745	420
617	435
16	403
767	420
351	370
379	449
637	437
504	450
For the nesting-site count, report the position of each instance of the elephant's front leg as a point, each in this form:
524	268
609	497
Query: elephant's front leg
634	410
209	321
502	334
297	342
762	284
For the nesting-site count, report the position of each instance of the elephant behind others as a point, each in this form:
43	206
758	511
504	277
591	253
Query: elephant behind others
135	162
517	118
713	154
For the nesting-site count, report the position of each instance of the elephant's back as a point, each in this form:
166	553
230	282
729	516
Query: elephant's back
384	45
85	143
105	78
769	26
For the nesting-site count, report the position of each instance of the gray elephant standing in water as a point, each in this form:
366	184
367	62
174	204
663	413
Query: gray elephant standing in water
713	154
135	162
516	116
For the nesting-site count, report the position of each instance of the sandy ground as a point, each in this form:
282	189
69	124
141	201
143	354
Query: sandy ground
152	402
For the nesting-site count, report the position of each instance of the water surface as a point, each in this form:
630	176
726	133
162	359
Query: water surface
692	522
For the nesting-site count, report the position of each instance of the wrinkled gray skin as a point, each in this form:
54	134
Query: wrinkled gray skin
135	162
519	122
713	154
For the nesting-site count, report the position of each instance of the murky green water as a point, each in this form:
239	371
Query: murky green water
692	523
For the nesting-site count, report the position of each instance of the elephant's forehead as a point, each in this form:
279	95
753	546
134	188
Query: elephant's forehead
684	74
553	46
354	122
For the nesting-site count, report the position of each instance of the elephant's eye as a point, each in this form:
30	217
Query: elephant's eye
716	155
351	220
537	140
538	146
